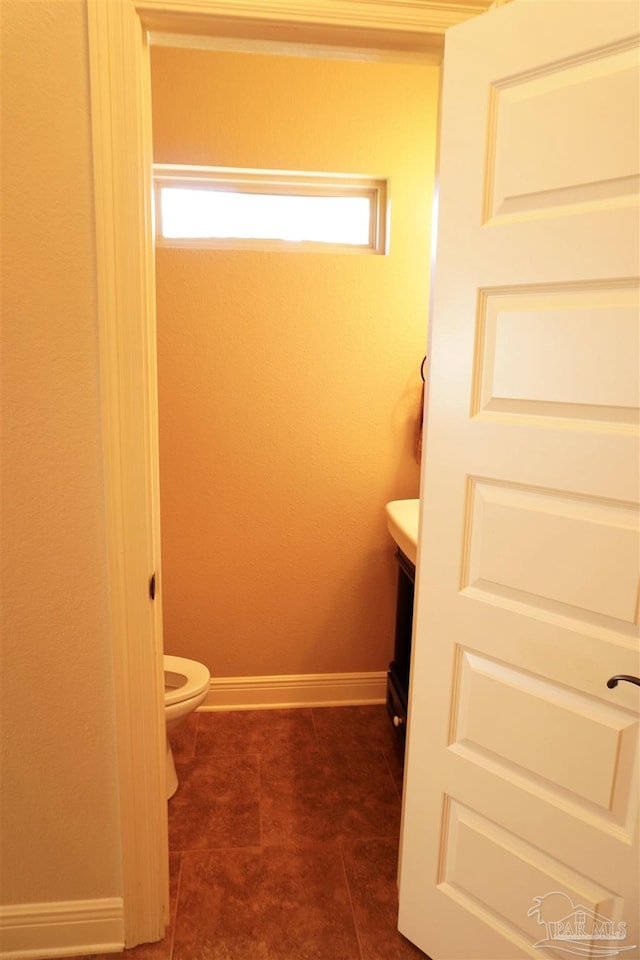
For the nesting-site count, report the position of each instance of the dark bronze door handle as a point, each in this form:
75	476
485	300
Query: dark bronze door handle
613	681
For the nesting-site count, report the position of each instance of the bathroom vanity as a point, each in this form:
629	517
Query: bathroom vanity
398	675
402	521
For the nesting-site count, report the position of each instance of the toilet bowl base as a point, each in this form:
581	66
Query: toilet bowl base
186	684
171	775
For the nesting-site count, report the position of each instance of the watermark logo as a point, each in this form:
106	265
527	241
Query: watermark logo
576	929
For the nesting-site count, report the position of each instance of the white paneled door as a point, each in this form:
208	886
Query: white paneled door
520	833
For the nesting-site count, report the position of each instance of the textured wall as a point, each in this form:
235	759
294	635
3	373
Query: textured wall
59	812
289	383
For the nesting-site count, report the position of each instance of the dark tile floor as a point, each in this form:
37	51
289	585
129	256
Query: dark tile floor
283	838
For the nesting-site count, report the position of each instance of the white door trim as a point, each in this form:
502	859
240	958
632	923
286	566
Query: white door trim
120	32
120	104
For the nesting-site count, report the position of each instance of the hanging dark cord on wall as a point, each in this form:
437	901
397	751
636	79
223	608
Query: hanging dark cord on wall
420	416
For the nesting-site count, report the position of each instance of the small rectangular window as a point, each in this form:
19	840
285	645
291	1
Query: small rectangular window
214	207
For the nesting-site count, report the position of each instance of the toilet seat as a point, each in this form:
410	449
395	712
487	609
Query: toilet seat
183	679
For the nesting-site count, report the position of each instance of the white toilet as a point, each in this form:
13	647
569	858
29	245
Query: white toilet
186	683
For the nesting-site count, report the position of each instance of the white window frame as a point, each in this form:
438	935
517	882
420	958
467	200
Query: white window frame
283	182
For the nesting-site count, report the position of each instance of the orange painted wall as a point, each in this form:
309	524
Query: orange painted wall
290	383
60	836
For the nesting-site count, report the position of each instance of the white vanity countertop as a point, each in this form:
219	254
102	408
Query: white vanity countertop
402	522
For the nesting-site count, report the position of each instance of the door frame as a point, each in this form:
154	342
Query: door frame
120	34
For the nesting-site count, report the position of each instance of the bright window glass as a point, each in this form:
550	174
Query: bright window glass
209	206
200	212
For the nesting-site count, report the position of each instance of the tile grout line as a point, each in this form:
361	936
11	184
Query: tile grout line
393	779
195	735
175	917
353	911
259	766
315	729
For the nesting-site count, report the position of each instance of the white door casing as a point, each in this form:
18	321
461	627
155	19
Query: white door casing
122	158
522	766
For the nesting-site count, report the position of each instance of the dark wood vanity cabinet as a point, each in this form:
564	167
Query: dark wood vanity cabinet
398	675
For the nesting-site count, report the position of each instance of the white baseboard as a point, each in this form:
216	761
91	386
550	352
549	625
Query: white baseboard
70	928
304	690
